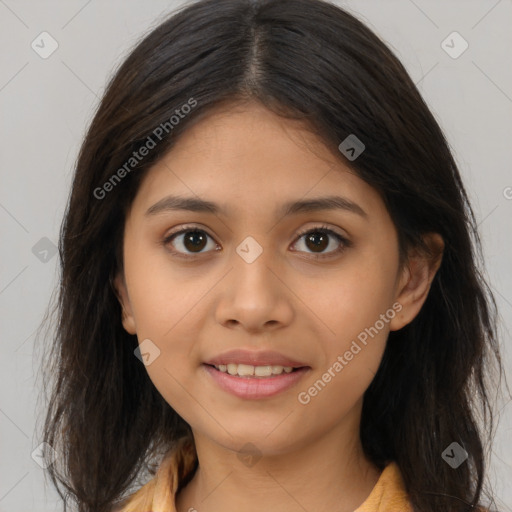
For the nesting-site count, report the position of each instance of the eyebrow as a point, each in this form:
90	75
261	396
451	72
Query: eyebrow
194	204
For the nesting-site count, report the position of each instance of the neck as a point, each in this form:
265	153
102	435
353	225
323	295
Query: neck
324	474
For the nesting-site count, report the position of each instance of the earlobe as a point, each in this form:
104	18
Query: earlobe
416	280
121	291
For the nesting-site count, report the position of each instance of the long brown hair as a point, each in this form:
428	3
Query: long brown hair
303	59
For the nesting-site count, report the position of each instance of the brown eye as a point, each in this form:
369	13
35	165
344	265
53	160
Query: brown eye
317	240
191	241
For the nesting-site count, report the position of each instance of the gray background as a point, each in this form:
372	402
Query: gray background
46	105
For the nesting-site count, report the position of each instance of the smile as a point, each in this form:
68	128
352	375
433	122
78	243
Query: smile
247	370
244	382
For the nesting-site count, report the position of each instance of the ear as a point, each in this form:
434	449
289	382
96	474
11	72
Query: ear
416	279
127	318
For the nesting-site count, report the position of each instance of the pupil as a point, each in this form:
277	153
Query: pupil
196	238
322	245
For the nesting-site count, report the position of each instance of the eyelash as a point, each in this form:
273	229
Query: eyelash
320	229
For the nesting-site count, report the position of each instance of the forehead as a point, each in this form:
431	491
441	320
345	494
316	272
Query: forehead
241	131
247	155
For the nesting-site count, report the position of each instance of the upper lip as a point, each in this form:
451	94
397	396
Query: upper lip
254	358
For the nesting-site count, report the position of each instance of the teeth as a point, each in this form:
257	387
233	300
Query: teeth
247	370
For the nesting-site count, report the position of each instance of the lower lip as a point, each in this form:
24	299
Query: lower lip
255	387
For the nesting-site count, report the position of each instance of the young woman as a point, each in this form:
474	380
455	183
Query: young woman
270	294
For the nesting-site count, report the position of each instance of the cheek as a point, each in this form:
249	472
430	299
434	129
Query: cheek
168	310
351	299
159	294
356	306
357	310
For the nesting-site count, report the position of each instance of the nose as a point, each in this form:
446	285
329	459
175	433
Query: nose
254	295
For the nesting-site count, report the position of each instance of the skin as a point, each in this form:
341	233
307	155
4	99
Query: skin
249	160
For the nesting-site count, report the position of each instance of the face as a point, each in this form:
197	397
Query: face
319	287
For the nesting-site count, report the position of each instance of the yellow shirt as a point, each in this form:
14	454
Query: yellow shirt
158	495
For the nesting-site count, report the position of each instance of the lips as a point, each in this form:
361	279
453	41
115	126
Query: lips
255	388
254	358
